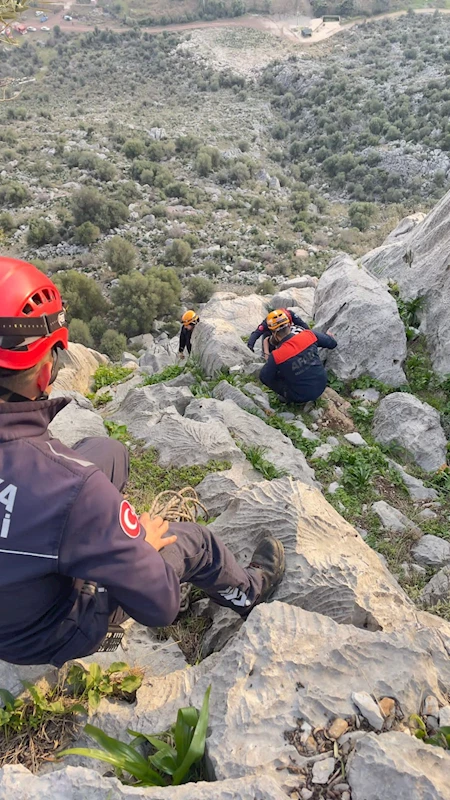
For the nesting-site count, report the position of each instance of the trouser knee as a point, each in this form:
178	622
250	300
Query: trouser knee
109	455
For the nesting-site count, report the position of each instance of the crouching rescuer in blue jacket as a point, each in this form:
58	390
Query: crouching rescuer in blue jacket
294	369
75	559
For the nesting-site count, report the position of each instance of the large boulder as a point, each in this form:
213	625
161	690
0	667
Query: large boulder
244	313
218	346
403	421
77	783
397	766
254	432
78	365
364	318
437	589
158	355
142	407
300	282
183	442
218	489
226	391
418	263
77	420
287	664
329	568
300	299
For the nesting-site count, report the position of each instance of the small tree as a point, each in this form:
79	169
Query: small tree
97	326
179	253
134	148
88	205
81	294
40	232
140	299
120	255
87	233
79	332
201	289
113	344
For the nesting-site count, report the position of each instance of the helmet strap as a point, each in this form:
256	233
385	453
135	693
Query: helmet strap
13	397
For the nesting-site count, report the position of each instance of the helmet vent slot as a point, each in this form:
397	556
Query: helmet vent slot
37	299
27	309
46	294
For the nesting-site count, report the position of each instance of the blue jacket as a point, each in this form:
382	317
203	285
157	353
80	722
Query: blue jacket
295	370
61	524
264	328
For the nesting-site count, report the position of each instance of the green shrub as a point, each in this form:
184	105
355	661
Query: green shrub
97	326
88	205
201	289
6	222
87	233
13	193
81	294
120	255
40	232
179	253
113	344
140	299
107	375
133	148
79	332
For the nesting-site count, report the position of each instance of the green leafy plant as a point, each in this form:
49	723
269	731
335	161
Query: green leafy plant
107	375
173	753
256	457
440	738
93	684
358	475
115	430
19	712
166	375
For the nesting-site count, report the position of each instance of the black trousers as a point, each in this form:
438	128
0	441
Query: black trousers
198	556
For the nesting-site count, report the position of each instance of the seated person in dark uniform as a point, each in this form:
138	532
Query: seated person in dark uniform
294	370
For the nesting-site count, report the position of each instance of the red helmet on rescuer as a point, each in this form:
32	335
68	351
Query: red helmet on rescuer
32	318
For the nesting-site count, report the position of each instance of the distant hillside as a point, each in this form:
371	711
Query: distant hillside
164	12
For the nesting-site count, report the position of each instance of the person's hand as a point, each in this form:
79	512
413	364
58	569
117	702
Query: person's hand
181	356
155	530
330	333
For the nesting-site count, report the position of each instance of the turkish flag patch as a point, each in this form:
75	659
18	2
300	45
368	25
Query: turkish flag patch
128	520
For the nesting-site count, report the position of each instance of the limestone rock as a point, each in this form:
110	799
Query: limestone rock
300	299
394	766
430	706
403	420
77	420
300	282
218	345
322	770
444	716
142	407
218	489
337	728
243	313
369	395
369	709
259	396
387	705
253	431
431	551
79	364
285	664
182	442
392	519
226	391
77	783
158	355
415	487
348	299
184	379
329	568
437	589
355	439
426	276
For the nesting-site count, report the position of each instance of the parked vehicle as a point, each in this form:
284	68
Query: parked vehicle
30	29
67	17
44	28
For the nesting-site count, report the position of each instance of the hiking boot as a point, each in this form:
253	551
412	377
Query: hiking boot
269	558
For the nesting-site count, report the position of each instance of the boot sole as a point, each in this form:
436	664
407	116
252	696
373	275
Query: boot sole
278	580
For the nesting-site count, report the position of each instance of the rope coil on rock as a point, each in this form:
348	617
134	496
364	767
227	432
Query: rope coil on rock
182	506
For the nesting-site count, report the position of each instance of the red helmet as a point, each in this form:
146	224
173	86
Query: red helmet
32	318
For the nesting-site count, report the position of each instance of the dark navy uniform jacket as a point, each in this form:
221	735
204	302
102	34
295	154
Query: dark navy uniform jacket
185	339
62	523
295	369
264	328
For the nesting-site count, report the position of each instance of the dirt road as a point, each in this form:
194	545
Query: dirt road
280	27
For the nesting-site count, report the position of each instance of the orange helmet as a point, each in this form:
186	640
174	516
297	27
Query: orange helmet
277	319
32	318
189	318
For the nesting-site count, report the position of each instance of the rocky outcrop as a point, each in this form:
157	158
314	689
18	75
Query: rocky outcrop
398	766
243	313
77	420
218	346
253	432
143	407
76	783
158	354
225	391
437	589
363	317
183	442
218	489
418	263
79	364
329	568
300	299
403	421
